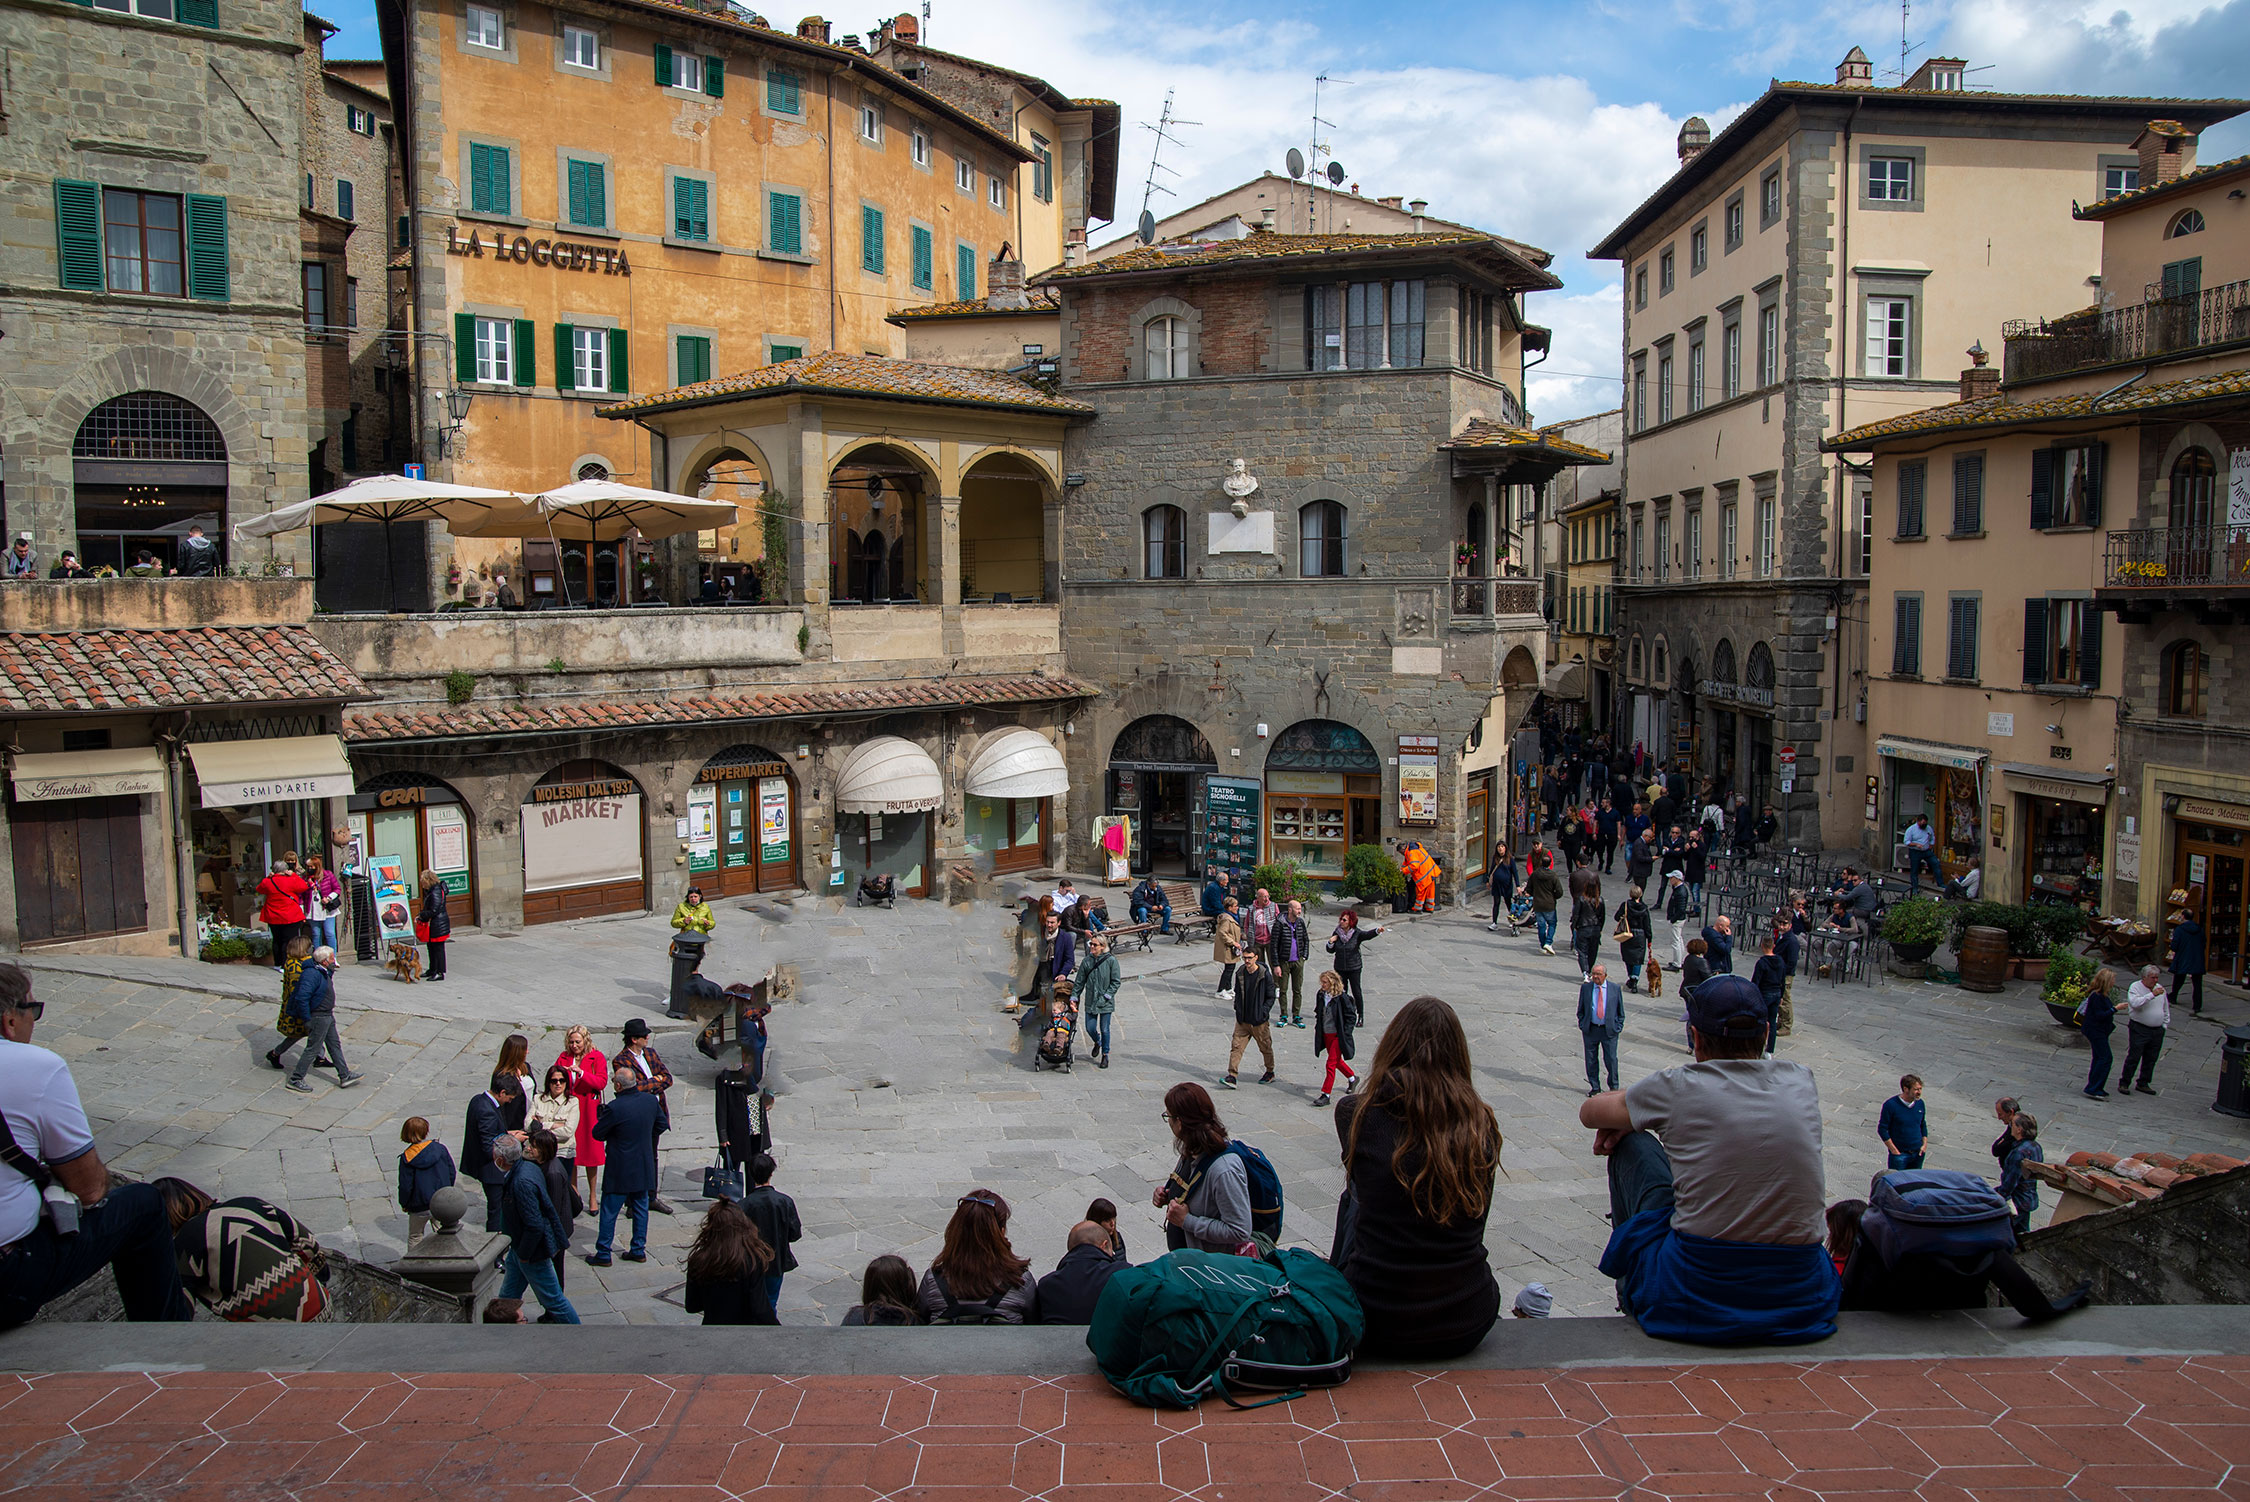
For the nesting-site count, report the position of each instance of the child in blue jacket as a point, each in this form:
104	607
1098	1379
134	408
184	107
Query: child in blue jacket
423	1169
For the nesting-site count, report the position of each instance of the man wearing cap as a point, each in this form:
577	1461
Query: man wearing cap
1717	1198
650	1075
19	562
1535	1302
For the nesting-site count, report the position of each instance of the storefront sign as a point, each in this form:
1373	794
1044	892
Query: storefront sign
773	820
553	814
556	255
574	792
1418	780
2194	810
1230	807
1736	693
741	771
1318	784
88	785
2055	787
2127	866
277	790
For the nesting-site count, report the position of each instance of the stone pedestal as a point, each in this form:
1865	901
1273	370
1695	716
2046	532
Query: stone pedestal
463	1263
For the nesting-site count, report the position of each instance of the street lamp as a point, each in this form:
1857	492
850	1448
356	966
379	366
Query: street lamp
457	401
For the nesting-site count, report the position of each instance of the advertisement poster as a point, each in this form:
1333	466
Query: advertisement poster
773	820
1418	780
1230	836
703	827
449	847
394	900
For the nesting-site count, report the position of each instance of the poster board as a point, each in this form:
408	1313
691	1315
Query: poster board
1230	822
703	827
581	842
446	826
1418	781
773	820
394	899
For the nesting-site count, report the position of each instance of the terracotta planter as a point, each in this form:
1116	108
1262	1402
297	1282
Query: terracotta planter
2028	967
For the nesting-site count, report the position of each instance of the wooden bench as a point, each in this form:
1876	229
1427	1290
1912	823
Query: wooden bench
1188	918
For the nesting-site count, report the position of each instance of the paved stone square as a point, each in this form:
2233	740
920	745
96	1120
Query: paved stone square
903	1085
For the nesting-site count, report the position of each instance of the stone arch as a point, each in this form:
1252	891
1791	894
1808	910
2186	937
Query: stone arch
1758	671
1003	527
1722	662
1636	661
1191	326
881	498
727	466
1519	669
970	459
1660	662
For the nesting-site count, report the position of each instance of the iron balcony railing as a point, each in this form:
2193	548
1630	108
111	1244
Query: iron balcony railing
1481	597
2160	326
2212	557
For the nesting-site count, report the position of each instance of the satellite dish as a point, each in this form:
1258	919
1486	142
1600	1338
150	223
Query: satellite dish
1336	173
1296	162
1148	227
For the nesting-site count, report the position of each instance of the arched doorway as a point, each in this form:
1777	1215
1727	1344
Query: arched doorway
742	824
1003	532
145	467
877	528
1724	744
1157	767
429	827
1015	775
1686	750
585	847
747	563
1324	793
1757	696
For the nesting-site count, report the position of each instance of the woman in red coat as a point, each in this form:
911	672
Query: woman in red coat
589	1073
284	892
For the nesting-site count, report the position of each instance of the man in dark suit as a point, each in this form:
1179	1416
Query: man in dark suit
629	1125
1067	1295
649	1071
1601	1017
487	1121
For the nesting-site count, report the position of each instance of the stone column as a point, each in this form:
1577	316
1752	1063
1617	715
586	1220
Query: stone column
1050	549
944	545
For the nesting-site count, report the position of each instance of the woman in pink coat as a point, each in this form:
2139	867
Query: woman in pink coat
589	1073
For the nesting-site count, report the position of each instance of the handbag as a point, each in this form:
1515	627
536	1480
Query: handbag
721	1181
422	930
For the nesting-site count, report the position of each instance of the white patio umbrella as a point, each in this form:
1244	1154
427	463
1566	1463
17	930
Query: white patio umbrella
598	511
461	509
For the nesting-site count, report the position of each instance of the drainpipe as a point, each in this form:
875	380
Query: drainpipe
2133	379
183	857
830	257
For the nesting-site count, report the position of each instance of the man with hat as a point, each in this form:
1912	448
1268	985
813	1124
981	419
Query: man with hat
650	1075
1717	1197
19	562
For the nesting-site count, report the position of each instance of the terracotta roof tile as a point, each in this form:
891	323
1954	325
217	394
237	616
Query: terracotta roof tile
1043	303
839	374
1482	433
2116	1179
2187	182
468	721
1262	249
50	672
2000	411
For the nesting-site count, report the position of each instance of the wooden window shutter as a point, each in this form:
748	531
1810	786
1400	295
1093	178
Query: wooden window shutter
663	66
1913	478
2042	495
464	347
924	249
691	209
78	233
2090	645
2097	456
1968	493
199	13
1906	634
620	381
207	247
784	228
566	357
715	77
870	239
2035	640
527	353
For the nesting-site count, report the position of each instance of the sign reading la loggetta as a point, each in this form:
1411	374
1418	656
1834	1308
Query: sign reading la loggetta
556	255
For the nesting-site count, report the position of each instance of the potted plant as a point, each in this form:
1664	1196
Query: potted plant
1913	929
1371	876
2069	977
224	949
1284	881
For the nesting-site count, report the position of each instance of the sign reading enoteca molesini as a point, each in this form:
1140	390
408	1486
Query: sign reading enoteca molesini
559	255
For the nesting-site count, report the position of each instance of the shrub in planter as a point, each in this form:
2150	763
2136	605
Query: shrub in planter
1916	924
2069	977
2021	925
261	946
223	951
1284	880
1371	875
2058	925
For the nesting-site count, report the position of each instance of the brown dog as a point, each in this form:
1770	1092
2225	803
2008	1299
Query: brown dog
1655	978
405	961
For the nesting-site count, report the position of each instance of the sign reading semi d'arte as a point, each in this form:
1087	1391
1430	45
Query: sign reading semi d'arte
557	255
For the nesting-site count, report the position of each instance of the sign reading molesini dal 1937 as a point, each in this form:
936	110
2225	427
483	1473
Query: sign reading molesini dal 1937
559	255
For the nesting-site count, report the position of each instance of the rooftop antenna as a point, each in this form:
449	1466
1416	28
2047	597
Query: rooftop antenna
924	38
1312	158
1163	132
1905	9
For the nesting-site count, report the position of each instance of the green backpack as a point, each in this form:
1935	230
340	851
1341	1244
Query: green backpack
1170	1333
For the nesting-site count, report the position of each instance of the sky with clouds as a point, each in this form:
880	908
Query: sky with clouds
1544	122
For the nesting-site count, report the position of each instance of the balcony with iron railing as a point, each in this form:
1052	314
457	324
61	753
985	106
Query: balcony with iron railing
2151	330
2180	560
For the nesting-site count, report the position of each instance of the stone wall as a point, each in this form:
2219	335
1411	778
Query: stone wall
2185	1248
1231	323
154	604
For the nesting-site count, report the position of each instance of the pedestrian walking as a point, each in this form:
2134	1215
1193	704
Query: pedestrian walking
1640	859
1546	890
1206	1200
1635	929
1606	829
283	894
1921	853
1292	946
1695	865
629	1126
286	1022
536	1234
1333	1023
1588	917
486	1121
434	924
1789	948
1033	951
1904	1124
324	899
2097	1019
1350	934
1772	980
727	1270
589	1076
2188	952
2005	1109
1226	947
1096	986
775	1216
314	1002
738	1110
424	1167
2148	1014
1501	882
2017	1186
1253	1016
1601	1017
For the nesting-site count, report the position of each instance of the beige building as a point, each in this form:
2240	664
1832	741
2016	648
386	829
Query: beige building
1581	641
2059	582
1811	269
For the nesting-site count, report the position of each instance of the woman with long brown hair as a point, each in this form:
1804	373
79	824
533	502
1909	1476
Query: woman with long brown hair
515	1059
1206	1201
727	1267
976	1277
1420	1150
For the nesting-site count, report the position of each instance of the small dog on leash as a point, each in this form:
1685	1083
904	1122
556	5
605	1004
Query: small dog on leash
405	961
1654	978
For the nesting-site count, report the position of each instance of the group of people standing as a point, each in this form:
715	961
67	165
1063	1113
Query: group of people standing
1262	953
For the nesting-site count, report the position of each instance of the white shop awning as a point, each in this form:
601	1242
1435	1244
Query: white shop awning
88	774
888	775
1935	753
1017	763
236	773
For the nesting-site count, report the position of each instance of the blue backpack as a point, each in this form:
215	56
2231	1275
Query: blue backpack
1939	1212
1265	1190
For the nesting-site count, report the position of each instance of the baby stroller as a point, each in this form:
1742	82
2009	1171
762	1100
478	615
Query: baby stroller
1058	1029
1519	909
874	889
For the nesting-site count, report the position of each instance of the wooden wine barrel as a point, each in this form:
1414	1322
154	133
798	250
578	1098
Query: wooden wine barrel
1984	958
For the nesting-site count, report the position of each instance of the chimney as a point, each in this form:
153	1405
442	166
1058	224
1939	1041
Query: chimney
1004	282
2167	151
1979	380
1074	246
1265	220
1415	207
1856	69
1398	203
906	27
1695	135
813	28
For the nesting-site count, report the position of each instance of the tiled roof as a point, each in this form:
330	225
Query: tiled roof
1044	302
1998	411
839	374
1482	433
1267	248
788	702
52	672
2201	177
2117	1180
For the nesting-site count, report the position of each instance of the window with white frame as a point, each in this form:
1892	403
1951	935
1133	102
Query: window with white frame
1890	332
589	359
687	70
996	192
1691	556
1730	360
1766	540
1663	546
1734	222
1699	249
1664	384
1164	342
1890	179
1042	168
1640	392
582	47
921	143
2120	179
1639	553
496	351
483	27
1769	345
965	174
1730	538
1769	199
870	121
1695	374
1664	273
156	10
1863	527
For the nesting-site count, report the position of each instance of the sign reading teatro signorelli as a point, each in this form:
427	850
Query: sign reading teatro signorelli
556	255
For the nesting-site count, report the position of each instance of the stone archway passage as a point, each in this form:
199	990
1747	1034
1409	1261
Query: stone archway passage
585	844
1324	793
145	467
742	824
1157	767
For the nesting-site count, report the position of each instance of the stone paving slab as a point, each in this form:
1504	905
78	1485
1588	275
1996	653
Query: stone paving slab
904	1086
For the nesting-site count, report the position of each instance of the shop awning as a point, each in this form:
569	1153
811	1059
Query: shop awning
2056	782
1567	680
88	774
1018	763
1935	753
888	775
283	770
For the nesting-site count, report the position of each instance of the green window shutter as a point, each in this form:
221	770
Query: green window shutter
464	347
527	353
566	357
489	189
199	13
786	224
78	233
782	93
620	381
694	359
589	194
924	253
783	352
715	77
663	66
691	209
207	247
871	239
965	272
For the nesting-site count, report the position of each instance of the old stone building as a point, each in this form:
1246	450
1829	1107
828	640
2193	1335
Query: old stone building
1280	566
1812	268
149	274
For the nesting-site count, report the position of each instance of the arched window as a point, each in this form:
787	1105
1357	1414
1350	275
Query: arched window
1662	661
2187	224
2185	668
1320	533
2195	480
1164	341
593	469
1164	534
1633	661
1722	662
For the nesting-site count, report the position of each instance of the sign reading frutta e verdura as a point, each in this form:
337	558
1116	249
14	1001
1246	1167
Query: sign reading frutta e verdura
555	255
